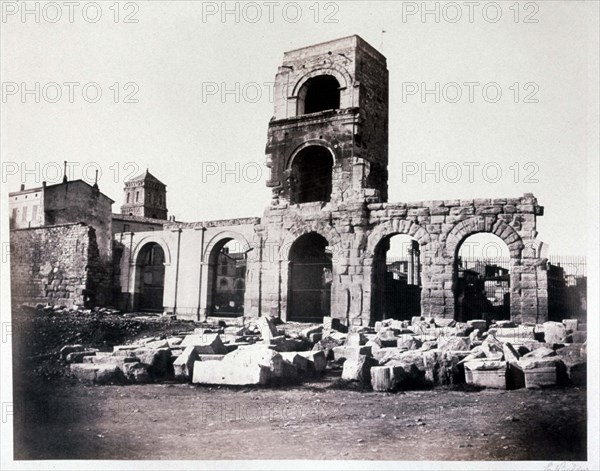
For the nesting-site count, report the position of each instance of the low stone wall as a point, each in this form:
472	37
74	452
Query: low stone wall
59	264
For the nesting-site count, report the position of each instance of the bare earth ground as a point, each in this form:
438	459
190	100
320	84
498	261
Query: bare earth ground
57	418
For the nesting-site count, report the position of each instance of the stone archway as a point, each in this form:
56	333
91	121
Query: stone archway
149	278
508	235
384	291
309	279
226	261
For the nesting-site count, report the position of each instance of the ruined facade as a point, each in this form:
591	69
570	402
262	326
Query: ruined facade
319	249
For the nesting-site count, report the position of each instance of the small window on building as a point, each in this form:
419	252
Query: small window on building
24	215
128	197
14	214
125	227
137	196
34	213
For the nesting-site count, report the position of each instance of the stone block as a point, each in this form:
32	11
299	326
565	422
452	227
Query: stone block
311	331
330	323
77	357
157	344
454	343
301	363
386	378
554	332
267	328
64	351
493	348
183	366
510	353
576	370
387	338
258	354
232	374
100	374
444	367
344	353
444	322
158	360
174	341
317	358
137	372
205	343
539	373
283	344
513	335
358	369
409	342
538	354
486	373
355	339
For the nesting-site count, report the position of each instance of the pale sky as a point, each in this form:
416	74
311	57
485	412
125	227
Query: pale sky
174	55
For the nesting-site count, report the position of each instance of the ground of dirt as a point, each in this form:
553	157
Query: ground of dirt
58	418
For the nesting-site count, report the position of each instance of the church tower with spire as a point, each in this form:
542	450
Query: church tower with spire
145	196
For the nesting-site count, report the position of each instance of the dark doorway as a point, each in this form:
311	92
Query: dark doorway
151	278
396	292
227	279
310	278
311	175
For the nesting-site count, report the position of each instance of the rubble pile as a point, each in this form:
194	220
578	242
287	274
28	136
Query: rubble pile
393	355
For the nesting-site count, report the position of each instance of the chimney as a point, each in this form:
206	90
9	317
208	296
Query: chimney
22	187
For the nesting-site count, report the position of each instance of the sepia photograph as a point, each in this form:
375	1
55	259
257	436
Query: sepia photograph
299	235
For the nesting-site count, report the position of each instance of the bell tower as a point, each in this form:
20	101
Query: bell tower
145	196
328	139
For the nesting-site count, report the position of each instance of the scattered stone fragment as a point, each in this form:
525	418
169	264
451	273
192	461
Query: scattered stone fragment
510	354
64	351
554	332
206	343
539	373
454	343
486	373
317	358
100	374
355	339
478	324
221	372
183	366
386	378
137	372
358	369
343	352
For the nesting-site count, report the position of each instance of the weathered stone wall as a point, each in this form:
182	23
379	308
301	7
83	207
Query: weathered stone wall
355	231
76	201
58	265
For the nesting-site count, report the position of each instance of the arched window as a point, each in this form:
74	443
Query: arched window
319	93
311	176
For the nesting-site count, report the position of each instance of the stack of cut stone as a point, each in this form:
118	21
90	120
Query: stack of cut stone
277	359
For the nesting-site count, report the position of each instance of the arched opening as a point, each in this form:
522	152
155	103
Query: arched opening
396	292
150	279
482	278
310	278
319	93
311	175
226	278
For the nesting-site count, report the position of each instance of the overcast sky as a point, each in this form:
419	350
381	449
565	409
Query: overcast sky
174	63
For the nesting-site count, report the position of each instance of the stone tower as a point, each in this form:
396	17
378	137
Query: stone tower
328	138
145	196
